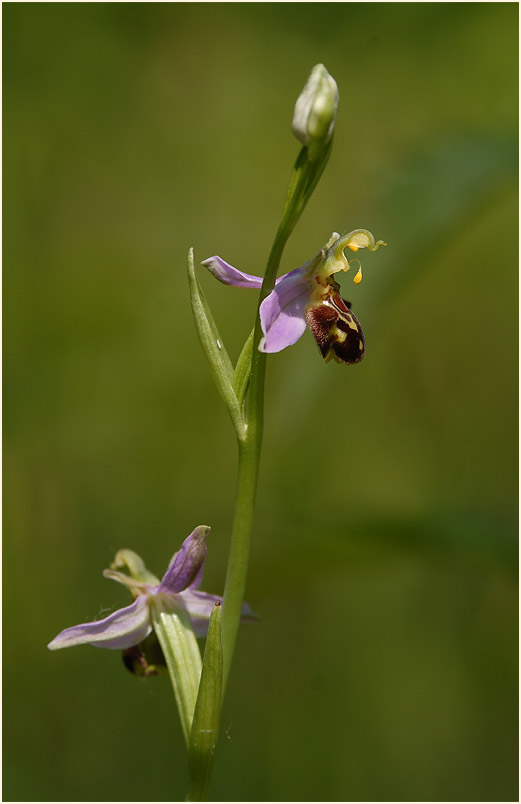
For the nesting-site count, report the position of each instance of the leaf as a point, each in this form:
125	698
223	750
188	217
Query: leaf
214	349
241	377
205	727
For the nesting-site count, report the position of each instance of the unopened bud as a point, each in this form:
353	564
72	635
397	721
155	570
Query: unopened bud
315	109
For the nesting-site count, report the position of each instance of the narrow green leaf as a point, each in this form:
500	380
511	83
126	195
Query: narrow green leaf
182	655
213	347
205	727
241	377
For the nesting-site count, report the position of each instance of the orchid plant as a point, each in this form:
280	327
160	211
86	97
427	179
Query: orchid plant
157	633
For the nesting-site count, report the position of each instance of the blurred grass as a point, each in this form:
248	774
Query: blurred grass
384	563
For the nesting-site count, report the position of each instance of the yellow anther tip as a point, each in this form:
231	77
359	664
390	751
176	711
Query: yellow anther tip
352	247
358	278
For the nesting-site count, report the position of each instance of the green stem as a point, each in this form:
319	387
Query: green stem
248	473
249	454
305	176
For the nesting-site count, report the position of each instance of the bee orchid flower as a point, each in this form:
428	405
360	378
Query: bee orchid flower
179	587
309	296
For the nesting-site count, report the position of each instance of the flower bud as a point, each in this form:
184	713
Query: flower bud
315	109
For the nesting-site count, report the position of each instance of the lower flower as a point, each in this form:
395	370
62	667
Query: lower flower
178	588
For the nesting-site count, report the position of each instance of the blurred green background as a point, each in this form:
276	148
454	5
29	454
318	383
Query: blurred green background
384	563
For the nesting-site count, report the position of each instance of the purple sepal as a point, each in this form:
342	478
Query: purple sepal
185	570
229	275
120	630
282	313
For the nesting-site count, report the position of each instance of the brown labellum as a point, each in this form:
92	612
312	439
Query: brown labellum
136	663
336	330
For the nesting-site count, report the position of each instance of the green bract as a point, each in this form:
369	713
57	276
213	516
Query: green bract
214	349
205	727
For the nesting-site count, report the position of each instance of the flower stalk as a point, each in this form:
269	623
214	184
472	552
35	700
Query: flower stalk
305	176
